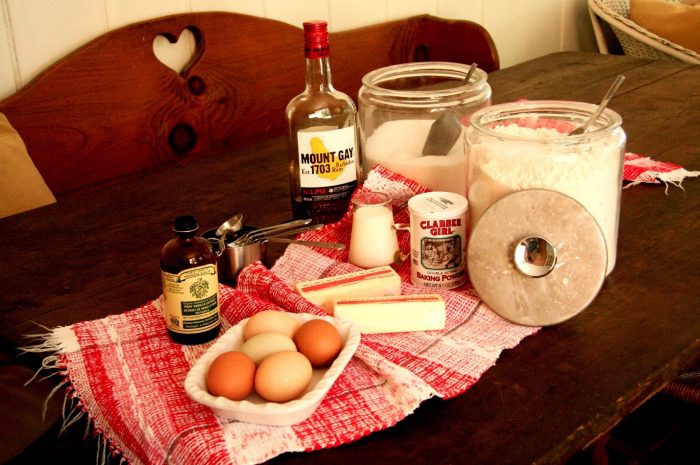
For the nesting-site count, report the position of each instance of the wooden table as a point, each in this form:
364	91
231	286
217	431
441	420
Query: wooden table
96	253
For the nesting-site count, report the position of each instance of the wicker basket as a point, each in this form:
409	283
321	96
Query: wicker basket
634	39
686	387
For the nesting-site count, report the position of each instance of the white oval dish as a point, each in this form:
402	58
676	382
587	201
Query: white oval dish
254	409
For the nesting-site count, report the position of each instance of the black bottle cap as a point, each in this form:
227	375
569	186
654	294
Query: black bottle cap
185	223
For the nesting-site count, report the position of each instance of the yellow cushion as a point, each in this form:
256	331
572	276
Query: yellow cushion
675	22
21	186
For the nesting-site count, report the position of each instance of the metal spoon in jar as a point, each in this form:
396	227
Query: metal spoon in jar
603	104
445	130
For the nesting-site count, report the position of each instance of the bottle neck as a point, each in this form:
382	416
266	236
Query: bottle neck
185	236
318	75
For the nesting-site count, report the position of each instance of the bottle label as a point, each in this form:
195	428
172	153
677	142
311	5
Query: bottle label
191	299
327	164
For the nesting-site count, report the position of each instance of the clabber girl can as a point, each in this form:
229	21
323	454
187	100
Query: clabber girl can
438	239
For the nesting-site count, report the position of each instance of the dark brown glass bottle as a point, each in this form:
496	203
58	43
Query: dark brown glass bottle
190	285
324	163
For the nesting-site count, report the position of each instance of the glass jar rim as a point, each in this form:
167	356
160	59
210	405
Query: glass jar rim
371	199
482	119
372	79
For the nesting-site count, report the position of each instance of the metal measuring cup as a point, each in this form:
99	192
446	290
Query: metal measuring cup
234	254
231	259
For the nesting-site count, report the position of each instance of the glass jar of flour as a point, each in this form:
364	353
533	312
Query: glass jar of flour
525	145
412	119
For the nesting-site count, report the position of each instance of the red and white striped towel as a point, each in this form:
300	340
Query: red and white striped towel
126	374
638	169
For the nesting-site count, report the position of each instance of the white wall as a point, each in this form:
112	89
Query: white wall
35	33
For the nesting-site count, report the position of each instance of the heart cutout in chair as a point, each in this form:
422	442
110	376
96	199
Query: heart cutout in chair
176	55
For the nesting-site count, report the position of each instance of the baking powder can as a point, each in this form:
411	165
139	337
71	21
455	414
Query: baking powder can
438	239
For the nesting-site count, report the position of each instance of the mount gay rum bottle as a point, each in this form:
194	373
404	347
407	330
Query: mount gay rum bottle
190	285
324	163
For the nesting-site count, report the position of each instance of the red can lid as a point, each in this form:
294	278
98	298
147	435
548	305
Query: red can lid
316	39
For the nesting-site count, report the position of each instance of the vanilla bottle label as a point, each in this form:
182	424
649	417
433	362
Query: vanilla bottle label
191	299
327	164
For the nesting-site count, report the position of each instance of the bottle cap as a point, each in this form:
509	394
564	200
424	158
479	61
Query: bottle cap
316	39
185	223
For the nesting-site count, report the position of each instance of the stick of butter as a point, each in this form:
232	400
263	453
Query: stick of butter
419	312
366	283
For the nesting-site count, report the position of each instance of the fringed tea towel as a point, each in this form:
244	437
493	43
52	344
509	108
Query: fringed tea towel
638	169
127	376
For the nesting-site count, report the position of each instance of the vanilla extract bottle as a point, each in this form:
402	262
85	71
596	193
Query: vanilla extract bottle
324	163
190	285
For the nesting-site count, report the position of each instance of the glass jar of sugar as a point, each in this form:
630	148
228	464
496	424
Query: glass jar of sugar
412	119
525	145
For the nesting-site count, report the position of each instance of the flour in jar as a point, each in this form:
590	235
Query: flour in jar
590	173
397	145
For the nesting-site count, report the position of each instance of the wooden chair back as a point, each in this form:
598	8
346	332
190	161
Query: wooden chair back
111	108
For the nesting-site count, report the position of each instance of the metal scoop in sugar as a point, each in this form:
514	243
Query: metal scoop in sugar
445	130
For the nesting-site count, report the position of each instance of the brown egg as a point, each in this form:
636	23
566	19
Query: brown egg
320	341
261	345
283	376
231	375
270	321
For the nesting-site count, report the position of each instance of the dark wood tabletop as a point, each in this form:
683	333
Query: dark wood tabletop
95	253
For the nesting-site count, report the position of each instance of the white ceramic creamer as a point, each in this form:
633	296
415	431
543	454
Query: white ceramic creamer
438	239
373	240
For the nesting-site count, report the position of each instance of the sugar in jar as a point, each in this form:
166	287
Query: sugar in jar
412	119
525	145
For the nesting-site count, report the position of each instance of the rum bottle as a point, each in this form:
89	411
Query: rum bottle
324	163
190	285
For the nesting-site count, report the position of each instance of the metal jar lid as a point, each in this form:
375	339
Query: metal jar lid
537	257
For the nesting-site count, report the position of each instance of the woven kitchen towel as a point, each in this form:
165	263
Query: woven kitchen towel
127	376
638	169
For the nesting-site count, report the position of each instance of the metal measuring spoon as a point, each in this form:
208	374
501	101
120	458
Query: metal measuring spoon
291	232
256	233
323	245
279	233
231	225
445	130
603	104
